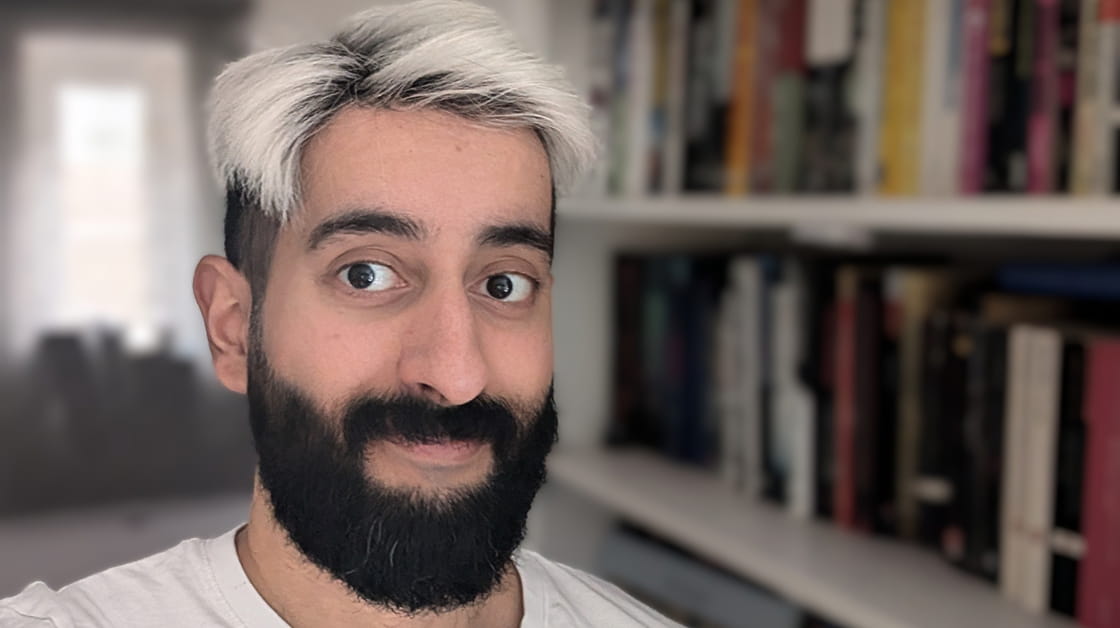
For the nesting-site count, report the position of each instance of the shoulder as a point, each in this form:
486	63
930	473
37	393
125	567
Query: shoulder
168	588
571	597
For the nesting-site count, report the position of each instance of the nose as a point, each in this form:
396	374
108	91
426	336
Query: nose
441	356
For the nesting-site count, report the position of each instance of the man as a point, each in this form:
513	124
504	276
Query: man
384	303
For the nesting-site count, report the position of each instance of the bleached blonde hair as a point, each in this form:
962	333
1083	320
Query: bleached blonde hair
447	55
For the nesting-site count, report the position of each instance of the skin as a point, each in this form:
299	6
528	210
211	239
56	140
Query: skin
434	332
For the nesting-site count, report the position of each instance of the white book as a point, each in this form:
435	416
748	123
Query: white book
673	144
639	89
1012	495
1109	59
793	404
1087	138
829	36
746	277
869	94
1040	455
941	105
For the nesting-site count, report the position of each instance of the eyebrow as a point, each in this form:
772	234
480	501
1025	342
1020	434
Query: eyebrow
362	221
518	235
365	221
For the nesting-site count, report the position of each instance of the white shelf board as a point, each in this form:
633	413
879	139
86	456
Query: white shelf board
862	581
1095	218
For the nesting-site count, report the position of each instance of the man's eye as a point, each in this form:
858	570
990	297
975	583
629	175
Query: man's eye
369	276
510	287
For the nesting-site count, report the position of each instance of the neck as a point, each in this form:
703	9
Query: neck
304	595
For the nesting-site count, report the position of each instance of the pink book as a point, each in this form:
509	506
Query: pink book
974	123
1044	100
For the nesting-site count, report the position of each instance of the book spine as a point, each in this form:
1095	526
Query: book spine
1098	605
600	88
844	496
941	107
640	94
789	96
974	128
1041	135
869	93
1066	542
741	108
1041	438
767	50
618	124
901	132
673	148
746	273
1109	94
1086	141
1013	492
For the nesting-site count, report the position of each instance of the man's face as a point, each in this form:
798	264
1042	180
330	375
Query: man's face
400	369
388	281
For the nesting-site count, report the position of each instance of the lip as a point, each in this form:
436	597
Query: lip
444	453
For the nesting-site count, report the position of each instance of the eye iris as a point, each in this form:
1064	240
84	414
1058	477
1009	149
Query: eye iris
361	276
499	286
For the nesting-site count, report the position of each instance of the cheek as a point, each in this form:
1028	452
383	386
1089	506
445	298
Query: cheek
325	349
520	358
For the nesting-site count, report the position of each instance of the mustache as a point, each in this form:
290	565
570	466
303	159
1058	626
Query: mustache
416	421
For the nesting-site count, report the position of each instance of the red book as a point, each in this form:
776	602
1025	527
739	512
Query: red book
1098	603
1045	94
762	135
844	408
974	119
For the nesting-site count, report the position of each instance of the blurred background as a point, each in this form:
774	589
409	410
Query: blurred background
785	300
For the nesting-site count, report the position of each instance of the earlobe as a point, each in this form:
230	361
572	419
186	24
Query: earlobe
225	301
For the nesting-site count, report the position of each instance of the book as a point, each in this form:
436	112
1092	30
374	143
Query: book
941	99
947	349
1087	110
1098	606
900	136
977	491
1067	544
1011	66
858	427
767	51
868	80
741	110
829	127
973	131
745	275
1030	443
789	96
1042	133
922	292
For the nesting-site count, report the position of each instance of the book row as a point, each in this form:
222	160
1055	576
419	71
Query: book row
974	410
891	97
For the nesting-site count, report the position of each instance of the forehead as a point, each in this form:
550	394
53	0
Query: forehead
441	170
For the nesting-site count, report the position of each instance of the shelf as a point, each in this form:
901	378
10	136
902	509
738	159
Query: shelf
1096	218
861	581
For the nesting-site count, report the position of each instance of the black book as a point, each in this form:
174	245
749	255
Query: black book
1068	545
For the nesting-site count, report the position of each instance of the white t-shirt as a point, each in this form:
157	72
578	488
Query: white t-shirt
201	583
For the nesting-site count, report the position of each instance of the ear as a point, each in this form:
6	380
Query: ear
225	300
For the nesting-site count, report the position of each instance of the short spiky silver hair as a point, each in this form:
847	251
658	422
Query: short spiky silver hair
447	55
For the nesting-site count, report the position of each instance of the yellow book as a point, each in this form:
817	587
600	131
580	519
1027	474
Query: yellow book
740	111
900	139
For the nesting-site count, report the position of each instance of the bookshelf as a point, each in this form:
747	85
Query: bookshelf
860	581
1042	217
857	580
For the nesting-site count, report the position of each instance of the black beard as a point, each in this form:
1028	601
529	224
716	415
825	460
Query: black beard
405	550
